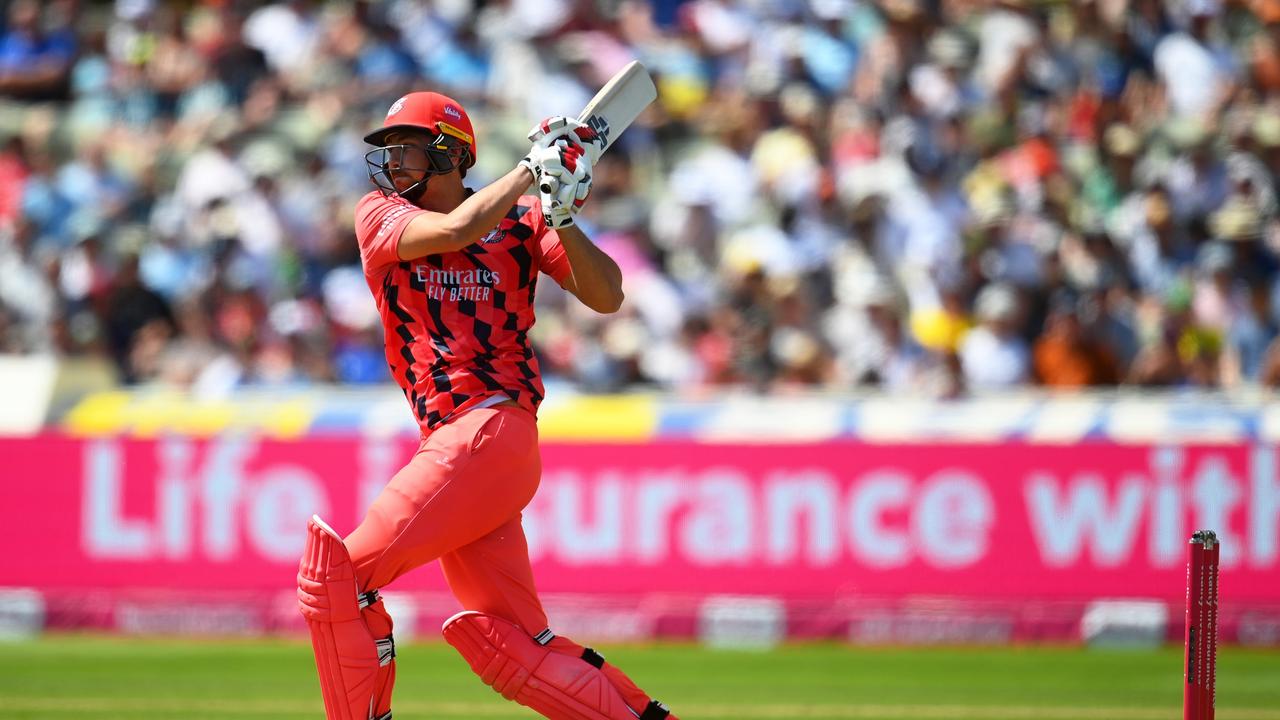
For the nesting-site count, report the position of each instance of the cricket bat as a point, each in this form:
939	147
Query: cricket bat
614	108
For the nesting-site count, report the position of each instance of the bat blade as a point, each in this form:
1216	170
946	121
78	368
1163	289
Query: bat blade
615	107
619	102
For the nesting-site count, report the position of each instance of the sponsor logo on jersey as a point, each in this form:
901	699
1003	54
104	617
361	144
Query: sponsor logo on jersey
454	285
390	220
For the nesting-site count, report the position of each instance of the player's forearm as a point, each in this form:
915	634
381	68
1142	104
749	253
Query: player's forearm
433	233
597	279
479	213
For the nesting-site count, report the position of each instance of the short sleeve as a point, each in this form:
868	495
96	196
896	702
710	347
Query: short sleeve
552	258
380	221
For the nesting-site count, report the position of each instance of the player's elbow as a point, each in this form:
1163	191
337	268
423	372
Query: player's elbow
608	303
615	302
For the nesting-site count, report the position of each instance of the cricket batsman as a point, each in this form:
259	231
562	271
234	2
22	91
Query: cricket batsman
454	273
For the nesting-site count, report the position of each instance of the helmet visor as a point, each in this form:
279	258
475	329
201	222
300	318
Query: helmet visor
400	169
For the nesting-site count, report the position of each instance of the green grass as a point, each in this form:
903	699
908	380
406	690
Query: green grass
95	677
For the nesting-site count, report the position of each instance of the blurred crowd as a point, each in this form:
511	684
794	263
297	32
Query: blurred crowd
936	197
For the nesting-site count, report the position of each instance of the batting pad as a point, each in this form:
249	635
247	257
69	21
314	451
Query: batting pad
560	687
355	683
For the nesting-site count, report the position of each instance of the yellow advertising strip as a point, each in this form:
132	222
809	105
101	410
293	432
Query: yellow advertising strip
173	413
289	419
630	418
151	414
99	413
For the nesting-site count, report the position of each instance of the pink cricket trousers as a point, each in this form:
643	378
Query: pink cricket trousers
459	500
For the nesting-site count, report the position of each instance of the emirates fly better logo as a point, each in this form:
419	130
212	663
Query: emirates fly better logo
453	285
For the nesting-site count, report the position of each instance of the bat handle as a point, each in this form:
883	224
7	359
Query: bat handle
549	185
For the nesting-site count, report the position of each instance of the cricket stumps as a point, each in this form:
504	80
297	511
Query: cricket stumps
1201	638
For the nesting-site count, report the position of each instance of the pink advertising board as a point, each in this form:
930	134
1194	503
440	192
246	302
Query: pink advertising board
802	522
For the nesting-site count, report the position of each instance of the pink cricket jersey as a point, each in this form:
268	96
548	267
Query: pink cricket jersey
457	324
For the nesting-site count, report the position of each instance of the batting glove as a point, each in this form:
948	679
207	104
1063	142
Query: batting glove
559	208
545	136
569	193
554	128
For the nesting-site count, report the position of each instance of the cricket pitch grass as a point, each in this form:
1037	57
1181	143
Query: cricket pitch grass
99	677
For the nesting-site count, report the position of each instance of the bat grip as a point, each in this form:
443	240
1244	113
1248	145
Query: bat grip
549	185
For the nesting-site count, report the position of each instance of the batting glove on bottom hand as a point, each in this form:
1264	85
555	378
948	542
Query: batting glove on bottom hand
565	183
559	207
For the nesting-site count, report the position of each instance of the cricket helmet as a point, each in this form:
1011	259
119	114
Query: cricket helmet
450	142
435	113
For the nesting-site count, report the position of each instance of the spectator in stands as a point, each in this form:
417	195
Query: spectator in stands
994	355
804	163
36	53
1066	355
137	321
1269	375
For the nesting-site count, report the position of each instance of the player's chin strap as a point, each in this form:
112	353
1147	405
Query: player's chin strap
415	191
524	669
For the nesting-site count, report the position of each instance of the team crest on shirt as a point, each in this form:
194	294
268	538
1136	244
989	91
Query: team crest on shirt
494	236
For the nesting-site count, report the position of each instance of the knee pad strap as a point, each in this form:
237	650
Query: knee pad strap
386	650
655	711
592	657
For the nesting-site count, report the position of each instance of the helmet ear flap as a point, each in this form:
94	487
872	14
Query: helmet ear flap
465	162
458	154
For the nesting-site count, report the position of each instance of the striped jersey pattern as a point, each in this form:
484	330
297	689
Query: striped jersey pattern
456	325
